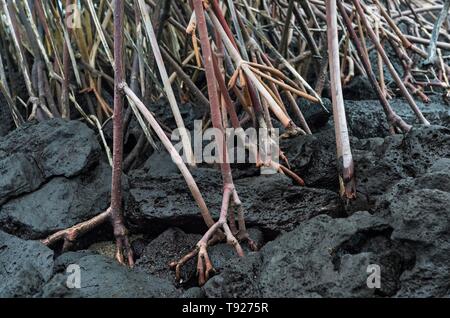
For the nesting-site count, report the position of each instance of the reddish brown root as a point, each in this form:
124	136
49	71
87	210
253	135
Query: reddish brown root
217	232
123	245
70	235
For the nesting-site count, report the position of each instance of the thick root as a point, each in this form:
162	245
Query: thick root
70	235
217	232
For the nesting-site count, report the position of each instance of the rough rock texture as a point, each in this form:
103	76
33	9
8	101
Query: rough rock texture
51	177
58	204
36	152
315	115
18	174
170	246
366	118
103	277
418	211
60	148
274	204
406	179
270	202
359	88
6	120
194	292
322	257
173	244
379	163
158	203
188	111
313	157
160	165
393	58
399	157
25	266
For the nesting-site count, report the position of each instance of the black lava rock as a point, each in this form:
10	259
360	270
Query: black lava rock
103	277
322	257
25	266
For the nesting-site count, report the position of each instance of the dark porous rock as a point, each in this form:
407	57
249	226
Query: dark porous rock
173	244
221	254
59	147
51	178
271	202
170	246
194	292
417	209
160	165
189	112
6	120
366	118
58	204
313	158
25	266
274	204
322	257
158	203
437	111
18	174
399	157
138	246
315	115
393	58
378	163
103	277
238	280
35	153
359	88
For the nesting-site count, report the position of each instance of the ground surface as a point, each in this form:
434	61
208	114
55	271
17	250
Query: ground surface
54	174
